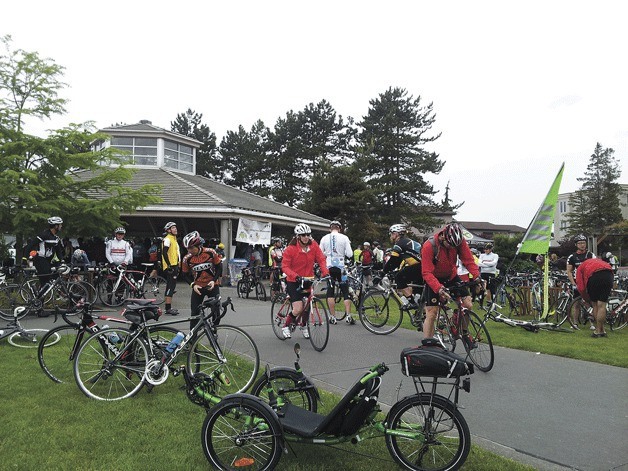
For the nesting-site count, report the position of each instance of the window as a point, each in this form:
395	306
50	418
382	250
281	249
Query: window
141	150
563	225
178	156
562	206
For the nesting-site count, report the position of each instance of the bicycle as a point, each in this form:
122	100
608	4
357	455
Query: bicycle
381	310
278	283
617	313
423	431
58	294
249	282
314	316
119	284
115	363
357	290
57	359
18	336
464	325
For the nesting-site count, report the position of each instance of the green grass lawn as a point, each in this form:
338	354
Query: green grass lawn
53	426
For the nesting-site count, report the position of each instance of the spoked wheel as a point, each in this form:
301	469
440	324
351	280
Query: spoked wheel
621	318
243	289
427	433
10	298
380	312
442	331
561	312
478	343
108	367
57	360
242	432
30	338
290	386
318	325
260	291
155	288
237	371
280	308
110	297
67	297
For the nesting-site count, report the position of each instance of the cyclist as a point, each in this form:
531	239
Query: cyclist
488	271
336	247
378	253
118	251
595	281
200	269
573	262
170	259
275	257
405	255
45	250
438	257
366	259
298	261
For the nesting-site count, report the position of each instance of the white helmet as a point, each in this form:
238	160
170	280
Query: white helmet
302	229
120	230
400	228
366	244
169	225
192	239
54	220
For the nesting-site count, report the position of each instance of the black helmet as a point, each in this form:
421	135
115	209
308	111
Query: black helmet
580	238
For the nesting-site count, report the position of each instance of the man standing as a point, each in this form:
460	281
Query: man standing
378	253
573	262
488	271
336	246
118	251
170	259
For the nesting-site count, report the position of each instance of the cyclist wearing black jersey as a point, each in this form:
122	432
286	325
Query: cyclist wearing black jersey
405	255
46	249
573	262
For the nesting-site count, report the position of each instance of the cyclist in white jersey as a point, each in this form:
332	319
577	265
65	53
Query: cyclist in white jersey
336	246
118	250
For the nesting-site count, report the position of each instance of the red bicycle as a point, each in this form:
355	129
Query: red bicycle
120	283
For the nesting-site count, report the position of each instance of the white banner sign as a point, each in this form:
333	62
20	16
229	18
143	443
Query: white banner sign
253	232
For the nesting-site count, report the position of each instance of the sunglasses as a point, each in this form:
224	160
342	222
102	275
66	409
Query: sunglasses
305	235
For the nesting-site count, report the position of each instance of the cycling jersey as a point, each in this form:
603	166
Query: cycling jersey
439	262
47	245
336	247
405	252
170	255
201	269
296	262
576	259
276	256
488	263
118	251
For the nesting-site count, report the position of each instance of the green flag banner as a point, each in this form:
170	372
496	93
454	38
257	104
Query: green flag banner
537	237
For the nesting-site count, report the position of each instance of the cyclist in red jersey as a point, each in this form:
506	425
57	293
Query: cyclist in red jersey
200	268
439	255
298	261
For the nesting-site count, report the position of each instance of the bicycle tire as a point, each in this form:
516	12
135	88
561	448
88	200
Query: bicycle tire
443	331
561	313
10	299
578	314
155	288
300	391
480	347
318	325
17	339
380	312
444	439
100	376
242	289
248	422
240	351
57	360
92	294
68	294
620	319
260	291
280	308
106	295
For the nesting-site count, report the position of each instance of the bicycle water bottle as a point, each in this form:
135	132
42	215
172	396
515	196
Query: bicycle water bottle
174	343
113	337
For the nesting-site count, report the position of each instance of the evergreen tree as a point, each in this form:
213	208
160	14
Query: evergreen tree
596	205
190	124
392	154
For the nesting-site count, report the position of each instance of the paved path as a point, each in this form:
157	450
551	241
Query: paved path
550	412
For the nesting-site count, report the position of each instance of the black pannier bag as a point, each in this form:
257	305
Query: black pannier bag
433	361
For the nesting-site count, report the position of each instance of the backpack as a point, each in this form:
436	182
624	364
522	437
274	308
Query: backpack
367	257
154	252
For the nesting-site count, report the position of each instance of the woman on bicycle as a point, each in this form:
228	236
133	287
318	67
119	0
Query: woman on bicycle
199	268
298	261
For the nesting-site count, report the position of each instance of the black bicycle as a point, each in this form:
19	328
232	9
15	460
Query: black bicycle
251	281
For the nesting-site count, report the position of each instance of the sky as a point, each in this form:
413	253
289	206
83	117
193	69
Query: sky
517	87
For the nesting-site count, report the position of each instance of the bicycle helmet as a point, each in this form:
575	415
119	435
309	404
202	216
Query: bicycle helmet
608	255
54	220
78	253
120	230
580	238
400	228
169	225
301	229
453	234
366	244
193	239
335	223
376	243
488	245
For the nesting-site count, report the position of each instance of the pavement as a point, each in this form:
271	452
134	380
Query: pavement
549	412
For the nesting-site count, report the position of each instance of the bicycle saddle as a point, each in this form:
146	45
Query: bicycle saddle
141	302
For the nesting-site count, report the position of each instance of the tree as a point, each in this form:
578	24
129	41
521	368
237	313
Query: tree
190	124
59	174
596	205
392	154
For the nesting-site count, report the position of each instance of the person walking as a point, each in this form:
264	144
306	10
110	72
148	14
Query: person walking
170	260
336	246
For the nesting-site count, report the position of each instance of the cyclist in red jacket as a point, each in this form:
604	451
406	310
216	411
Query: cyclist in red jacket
594	280
298	261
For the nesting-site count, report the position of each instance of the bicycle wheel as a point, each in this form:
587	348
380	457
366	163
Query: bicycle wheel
478	343
291	386
380	312
155	288
30	289
621	318
561	313
110	366
578	313
67	295
30	338
242	289
260	291
57	360
160	337
10	298
92	294
318	325
238	372
427	433
280	308
107	295
443	332
242	432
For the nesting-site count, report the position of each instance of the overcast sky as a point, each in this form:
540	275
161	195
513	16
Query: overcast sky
517	87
